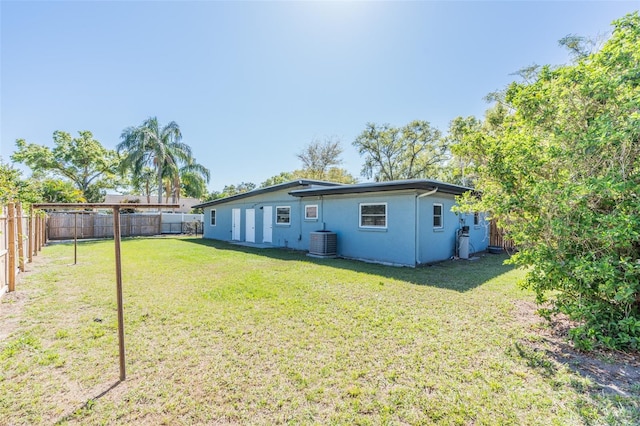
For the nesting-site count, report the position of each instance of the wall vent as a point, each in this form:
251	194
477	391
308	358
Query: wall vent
323	244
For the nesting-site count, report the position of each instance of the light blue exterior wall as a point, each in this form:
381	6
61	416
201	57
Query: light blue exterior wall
394	244
398	244
295	235
437	244
408	239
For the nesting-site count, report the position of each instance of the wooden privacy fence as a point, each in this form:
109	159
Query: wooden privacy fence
21	237
498	238
86	224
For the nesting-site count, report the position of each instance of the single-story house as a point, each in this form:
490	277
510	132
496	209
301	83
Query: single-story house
406	222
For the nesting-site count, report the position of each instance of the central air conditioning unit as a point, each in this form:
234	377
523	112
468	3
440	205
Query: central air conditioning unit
323	244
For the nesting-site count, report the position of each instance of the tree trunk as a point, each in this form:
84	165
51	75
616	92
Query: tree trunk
160	186
147	188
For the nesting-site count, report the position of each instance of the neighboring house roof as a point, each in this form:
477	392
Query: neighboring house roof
279	187
186	203
396	185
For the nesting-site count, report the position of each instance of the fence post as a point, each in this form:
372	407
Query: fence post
20	237
41	240
36	247
31	234
11	223
75	238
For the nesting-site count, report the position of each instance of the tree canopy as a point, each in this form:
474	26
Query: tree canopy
318	157
559	169
82	160
415	150
160	148
320	160
14	188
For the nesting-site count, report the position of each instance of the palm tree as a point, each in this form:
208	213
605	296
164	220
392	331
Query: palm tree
144	182
193	180
189	178
151	145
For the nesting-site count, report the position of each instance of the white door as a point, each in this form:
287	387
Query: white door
267	224
235	224
250	226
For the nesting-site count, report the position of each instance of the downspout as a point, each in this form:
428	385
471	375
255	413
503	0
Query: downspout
300	220
417	221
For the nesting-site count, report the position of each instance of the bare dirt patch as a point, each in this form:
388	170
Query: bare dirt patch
11	306
613	371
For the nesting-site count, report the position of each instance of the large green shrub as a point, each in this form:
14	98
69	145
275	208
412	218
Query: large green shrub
560	171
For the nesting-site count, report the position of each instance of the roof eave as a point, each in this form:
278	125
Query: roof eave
281	186
361	189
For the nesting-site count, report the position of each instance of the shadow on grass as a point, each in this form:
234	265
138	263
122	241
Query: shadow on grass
458	275
78	412
609	381
611	396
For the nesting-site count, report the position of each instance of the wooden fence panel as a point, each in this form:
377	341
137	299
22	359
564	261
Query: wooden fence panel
143	225
498	238
103	226
94	225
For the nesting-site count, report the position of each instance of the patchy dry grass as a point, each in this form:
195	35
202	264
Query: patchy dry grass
218	334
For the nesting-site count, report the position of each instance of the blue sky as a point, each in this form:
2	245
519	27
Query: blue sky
252	83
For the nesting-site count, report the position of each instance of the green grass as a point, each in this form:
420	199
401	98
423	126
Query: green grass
217	334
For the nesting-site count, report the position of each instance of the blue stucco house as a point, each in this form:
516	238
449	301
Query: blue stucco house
407	222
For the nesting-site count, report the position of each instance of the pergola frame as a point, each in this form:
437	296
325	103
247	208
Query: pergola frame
116	238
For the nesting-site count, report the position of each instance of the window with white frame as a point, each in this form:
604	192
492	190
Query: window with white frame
311	212
373	215
437	216
213	217
476	219
283	215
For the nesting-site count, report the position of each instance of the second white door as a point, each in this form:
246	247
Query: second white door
250	226
267	224
235	224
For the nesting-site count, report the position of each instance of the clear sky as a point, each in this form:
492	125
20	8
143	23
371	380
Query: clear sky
252	83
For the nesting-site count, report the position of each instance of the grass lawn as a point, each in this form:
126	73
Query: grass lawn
219	334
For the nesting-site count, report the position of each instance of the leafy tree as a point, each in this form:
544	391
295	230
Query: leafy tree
13	188
561	174
319	162
242	187
579	46
213	195
279	178
415	150
332	174
150	145
60	191
464	132
82	160
318	157
339	175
